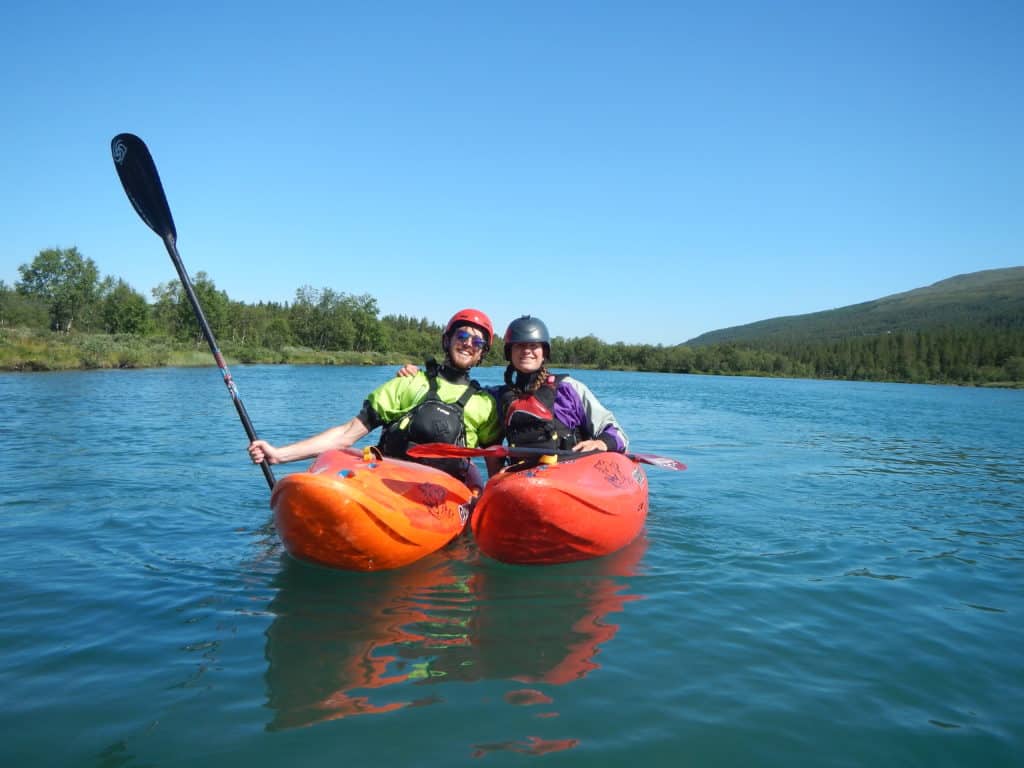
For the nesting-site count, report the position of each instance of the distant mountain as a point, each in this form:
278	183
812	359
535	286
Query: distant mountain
993	297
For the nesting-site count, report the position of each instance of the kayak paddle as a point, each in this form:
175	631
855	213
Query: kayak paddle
446	451
141	182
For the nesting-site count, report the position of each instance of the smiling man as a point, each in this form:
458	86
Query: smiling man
441	404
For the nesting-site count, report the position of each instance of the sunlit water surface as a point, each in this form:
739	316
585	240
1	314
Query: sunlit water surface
835	580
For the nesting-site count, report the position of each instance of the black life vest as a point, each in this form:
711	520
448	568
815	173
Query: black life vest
529	418
431	421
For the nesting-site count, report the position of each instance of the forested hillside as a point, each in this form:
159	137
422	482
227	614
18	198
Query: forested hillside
990	299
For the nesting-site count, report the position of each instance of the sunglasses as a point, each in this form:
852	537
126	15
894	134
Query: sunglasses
462	336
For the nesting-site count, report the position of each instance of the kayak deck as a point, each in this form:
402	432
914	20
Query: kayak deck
356	511
571	510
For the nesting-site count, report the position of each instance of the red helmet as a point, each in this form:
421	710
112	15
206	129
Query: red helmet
473	317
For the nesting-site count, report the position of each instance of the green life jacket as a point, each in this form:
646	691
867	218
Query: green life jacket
431	421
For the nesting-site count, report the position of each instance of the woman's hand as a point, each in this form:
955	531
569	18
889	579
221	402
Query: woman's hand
590	445
408	370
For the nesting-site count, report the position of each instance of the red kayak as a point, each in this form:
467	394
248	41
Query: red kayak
356	511
573	509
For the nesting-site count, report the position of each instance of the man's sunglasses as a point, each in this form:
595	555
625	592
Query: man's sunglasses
462	335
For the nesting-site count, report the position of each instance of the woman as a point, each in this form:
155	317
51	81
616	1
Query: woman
539	409
441	404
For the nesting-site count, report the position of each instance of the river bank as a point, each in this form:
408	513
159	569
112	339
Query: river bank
25	350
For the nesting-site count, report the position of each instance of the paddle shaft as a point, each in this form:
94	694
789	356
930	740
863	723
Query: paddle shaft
640	458
141	182
229	382
443	450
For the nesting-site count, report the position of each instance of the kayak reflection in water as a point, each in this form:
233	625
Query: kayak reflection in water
345	644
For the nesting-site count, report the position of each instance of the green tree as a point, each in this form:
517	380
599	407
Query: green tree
416	337
173	311
320	319
18	309
68	282
1014	367
327	319
363	313
577	351
263	324
124	310
166	297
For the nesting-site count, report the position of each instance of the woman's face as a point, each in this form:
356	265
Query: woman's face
527	356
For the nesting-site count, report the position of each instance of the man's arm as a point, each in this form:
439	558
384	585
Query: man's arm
338	437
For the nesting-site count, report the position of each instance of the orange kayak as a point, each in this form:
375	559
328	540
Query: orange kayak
363	513
556	513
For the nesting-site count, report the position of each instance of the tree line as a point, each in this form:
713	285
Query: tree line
62	291
976	355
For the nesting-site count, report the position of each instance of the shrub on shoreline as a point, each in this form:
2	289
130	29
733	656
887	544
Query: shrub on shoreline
23	349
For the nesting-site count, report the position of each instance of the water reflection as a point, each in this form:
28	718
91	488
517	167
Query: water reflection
345	644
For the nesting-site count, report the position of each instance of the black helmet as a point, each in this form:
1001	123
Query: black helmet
527	328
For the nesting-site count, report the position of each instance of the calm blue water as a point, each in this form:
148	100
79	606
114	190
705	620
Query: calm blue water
836	580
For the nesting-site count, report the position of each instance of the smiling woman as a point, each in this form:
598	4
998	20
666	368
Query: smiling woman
541	410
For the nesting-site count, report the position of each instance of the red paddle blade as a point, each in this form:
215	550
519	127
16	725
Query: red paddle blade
658	461
446	451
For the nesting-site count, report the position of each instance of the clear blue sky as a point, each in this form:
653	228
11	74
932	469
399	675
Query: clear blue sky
641	171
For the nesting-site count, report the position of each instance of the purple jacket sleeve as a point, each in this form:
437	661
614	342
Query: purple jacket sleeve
577	407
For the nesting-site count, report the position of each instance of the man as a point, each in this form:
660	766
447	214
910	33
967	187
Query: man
440	404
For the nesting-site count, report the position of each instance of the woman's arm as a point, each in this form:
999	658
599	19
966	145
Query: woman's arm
597	420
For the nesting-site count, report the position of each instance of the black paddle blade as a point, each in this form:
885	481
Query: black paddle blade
141	182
